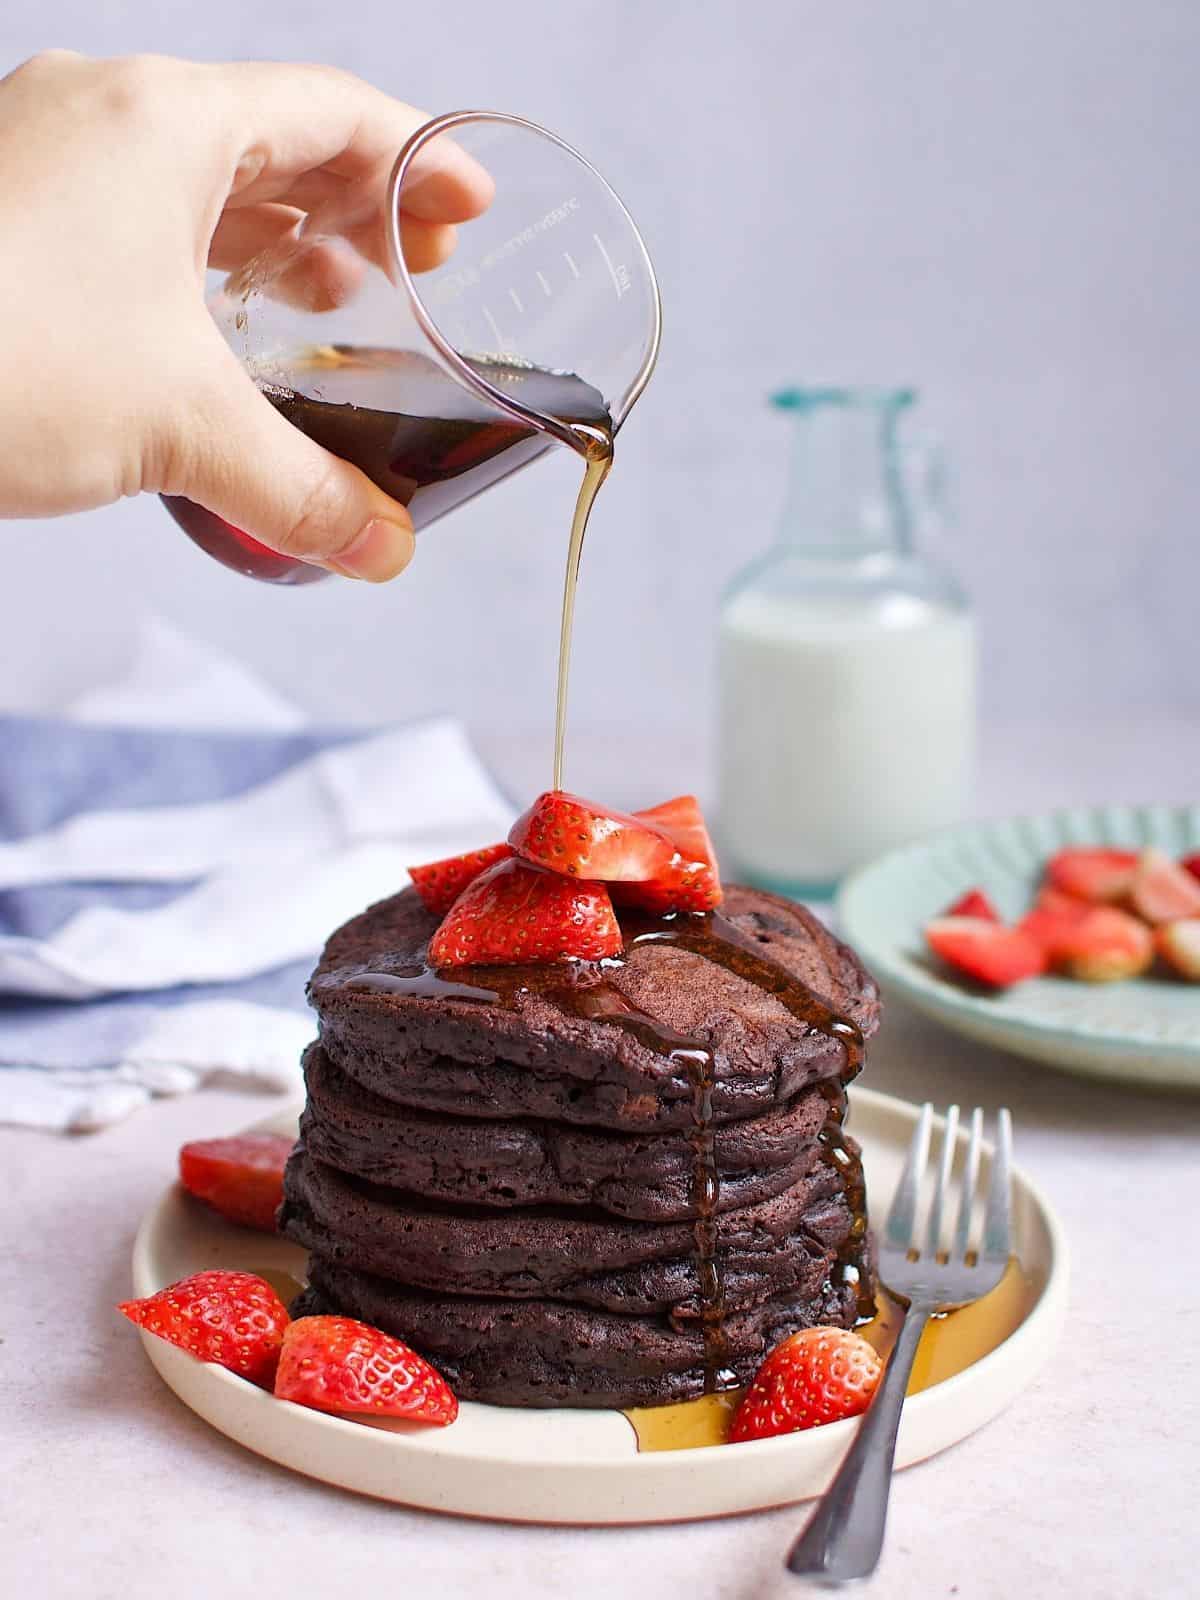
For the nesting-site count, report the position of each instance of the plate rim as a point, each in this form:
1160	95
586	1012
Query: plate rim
1036	1335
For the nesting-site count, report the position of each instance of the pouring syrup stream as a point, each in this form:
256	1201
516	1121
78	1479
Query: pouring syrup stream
596	445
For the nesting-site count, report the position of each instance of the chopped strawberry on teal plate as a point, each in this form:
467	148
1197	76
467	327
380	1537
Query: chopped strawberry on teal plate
1142	1029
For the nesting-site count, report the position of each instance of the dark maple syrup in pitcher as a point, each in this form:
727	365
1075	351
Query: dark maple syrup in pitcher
429	443
425	439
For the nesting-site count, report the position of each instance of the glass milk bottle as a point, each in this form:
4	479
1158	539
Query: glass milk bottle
846	663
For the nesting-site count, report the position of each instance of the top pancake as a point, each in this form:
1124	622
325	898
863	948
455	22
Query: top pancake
531	1056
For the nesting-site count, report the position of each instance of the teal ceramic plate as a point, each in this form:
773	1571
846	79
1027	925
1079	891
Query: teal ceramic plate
1146	1030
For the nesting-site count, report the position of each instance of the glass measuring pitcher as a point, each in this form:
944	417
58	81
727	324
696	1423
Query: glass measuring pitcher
541	327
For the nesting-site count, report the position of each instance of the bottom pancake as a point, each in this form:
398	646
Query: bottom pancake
546	1353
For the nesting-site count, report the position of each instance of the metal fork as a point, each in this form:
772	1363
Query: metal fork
844	1537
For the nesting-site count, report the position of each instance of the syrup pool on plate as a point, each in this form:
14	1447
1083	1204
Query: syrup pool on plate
952	1342
284	1284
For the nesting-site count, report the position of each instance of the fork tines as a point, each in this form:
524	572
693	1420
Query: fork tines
903	1235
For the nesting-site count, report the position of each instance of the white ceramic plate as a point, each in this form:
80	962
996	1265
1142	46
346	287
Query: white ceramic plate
1146	1030
582	1466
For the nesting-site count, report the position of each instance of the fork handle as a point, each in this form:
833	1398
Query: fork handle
844	1537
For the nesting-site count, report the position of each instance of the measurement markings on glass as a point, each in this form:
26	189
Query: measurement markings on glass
516	300
618	274
541	278
496	334
570	260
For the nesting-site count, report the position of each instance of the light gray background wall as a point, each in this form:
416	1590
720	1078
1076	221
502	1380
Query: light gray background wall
997	202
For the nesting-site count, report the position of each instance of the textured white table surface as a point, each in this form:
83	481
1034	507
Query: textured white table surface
1084	1487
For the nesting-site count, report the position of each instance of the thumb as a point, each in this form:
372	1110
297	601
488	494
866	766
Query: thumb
245	462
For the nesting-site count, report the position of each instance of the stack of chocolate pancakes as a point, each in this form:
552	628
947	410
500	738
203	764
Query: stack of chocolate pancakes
591	1185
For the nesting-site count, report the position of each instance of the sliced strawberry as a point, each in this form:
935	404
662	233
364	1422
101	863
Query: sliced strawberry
241	1177
232	1318
1178	943
1098	875
337	1364
1055	900
580	840
1054	914
974	903
691	881
1162	891
1096	943
819	1375
514	913
986	951
1192	864
683	823
687	887
441	882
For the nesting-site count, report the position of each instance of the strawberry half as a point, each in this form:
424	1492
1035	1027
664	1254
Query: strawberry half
974	903
441	882
683	823
232	1318
573	837
986	951
819	1375
1178	944
1054	900
241	1177
1099	944
514	912
690	881
1192	864
1162	890
337	1364
1097	875
1053	915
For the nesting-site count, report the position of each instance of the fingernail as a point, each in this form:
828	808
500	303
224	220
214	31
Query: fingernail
381	550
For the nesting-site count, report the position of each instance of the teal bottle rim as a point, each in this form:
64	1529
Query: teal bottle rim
881	396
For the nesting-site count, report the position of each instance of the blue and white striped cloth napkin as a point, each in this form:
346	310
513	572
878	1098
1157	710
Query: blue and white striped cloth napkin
167	875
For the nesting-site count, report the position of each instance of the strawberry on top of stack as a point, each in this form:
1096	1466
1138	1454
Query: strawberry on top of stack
1100	915
551	893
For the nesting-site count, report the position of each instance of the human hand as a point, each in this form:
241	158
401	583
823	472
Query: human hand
120	182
